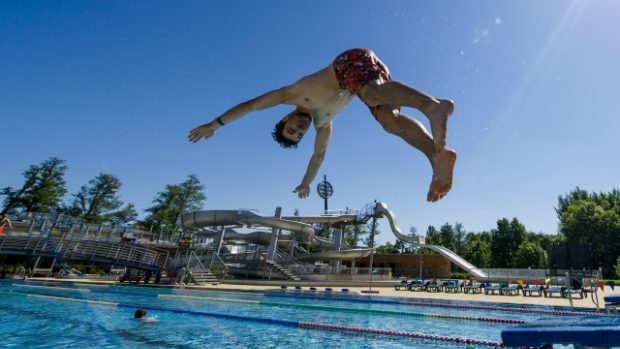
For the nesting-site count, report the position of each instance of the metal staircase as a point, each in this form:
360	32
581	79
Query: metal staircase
201	277
275	266
205	269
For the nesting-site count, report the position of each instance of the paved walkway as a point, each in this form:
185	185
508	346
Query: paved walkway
384	289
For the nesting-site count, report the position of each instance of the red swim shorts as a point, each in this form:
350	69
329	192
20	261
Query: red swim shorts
356	67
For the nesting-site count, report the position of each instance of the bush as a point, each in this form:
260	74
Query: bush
459	275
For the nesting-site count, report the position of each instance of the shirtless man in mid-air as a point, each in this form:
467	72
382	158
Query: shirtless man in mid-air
320	96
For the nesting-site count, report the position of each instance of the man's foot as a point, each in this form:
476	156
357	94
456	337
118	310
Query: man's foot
438	118
443	166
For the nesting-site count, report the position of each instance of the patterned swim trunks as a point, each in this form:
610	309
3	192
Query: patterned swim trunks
356	67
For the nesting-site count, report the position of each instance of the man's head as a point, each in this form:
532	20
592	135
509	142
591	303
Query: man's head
139	314
291	129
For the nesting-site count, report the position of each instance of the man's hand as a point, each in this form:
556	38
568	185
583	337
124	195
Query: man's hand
302	191
205	131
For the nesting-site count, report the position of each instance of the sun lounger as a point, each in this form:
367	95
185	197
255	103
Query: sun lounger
436	287
477	288
490	289
572	292
420	286
403	284
532	289
454	286
510	290
549	291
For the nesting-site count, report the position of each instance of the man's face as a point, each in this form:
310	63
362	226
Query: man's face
296	126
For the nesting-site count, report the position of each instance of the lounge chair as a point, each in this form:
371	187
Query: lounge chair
529	290
575	289
402	284
473	288
549	291
510	290
454	286
436	287
572	292
491	288
419	286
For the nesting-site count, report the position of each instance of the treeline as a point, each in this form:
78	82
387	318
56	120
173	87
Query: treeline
591	219
99	201
588	220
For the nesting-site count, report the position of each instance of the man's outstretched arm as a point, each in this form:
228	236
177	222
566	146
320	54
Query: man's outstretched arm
320	148
267	100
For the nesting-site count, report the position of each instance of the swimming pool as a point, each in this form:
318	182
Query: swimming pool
43	315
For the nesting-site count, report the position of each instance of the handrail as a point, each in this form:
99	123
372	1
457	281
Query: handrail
218	267
117	252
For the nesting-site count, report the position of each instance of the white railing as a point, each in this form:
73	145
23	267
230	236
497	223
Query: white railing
92	250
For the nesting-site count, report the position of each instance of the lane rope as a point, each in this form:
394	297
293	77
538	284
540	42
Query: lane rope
299	306
287	323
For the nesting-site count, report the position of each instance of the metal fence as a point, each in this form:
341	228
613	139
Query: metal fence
90	250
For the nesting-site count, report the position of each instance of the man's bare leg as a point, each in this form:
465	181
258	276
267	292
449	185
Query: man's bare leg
398	94
415	134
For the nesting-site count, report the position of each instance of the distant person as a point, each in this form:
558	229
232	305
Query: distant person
6	221
180	280
318	97
140	314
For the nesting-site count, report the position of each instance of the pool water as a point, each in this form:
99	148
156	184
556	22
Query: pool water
50	315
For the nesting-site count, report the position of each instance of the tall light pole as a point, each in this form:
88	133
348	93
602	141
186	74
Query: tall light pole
325	190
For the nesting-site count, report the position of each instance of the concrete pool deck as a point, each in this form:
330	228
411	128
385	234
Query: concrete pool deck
382	289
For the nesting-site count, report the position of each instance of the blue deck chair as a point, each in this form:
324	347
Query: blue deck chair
510	290
419	286
473	288
491	288
402	284
549	291
455	286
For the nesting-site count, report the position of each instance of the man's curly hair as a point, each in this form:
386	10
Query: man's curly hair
277	133
278	137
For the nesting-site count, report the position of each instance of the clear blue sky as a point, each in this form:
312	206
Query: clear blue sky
114	86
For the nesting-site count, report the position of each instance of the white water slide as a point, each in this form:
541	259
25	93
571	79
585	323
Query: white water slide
202	219
301	224
382	210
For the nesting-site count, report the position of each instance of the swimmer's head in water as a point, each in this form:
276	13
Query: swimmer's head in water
139	314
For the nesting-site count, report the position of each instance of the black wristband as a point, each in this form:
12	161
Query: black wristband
219	121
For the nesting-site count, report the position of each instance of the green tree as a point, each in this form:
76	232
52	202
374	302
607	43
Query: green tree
97	201
592	219
505	240
446	234
387	248
366	230
125	216
477	249
530	255
42	191
170	204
